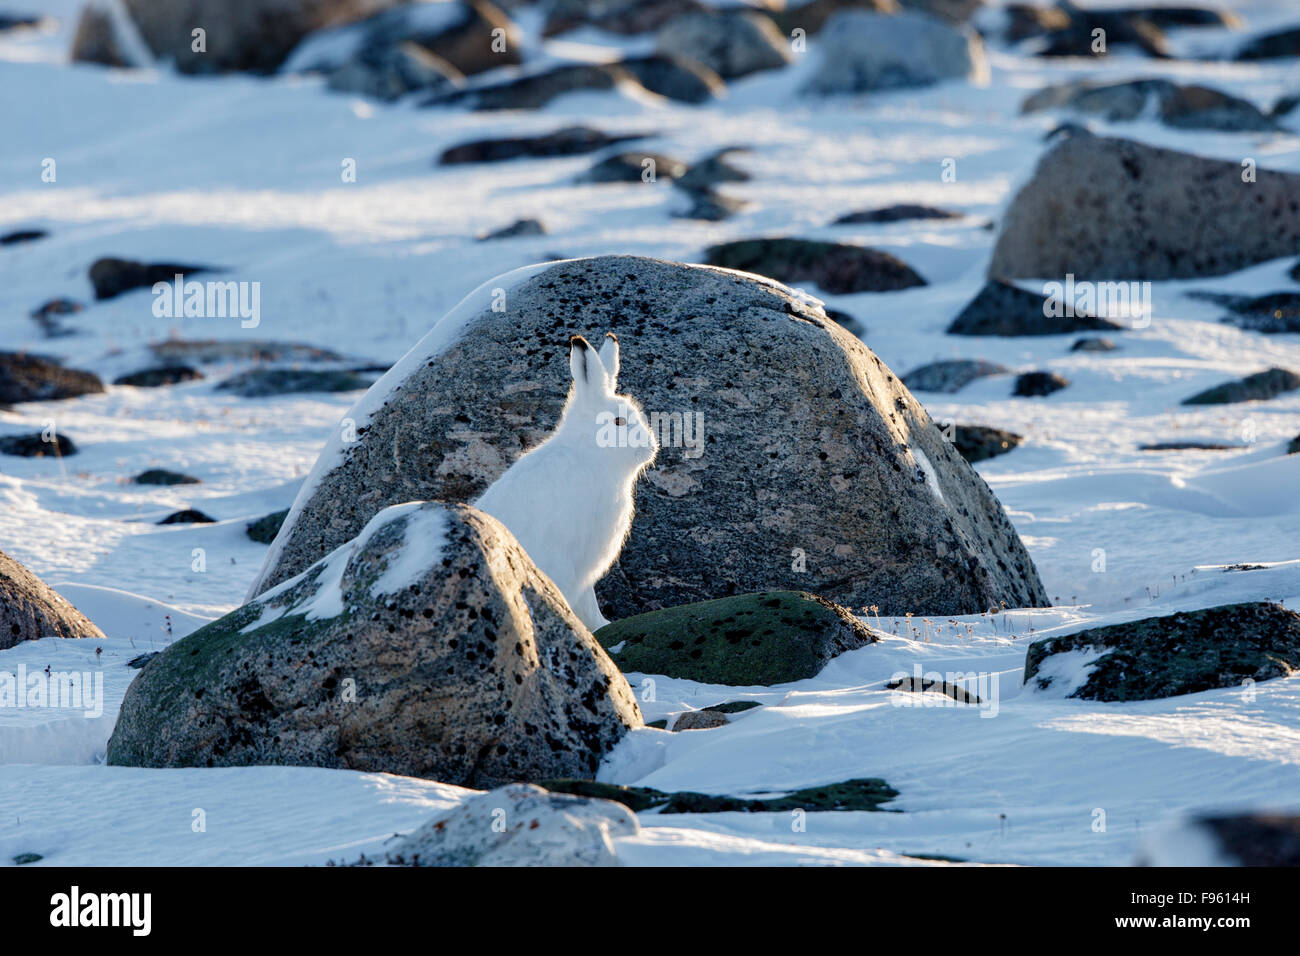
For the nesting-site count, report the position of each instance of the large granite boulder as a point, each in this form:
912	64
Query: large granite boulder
1103	208
791	457
430	646
252	35
30	609
861	51
1165	656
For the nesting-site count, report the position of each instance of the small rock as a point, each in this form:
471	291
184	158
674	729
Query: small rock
1271	46
675	77
391	73
535	90
1187	446
951	375
1294	446
699	720
731	43
1037	384
112	277
896	213
863	794
29	378
980	443
160	376
848	322
35	445
264	529
633	168
540	829
1245	839
710	206
1176	654
207	351
713	170
1003	309
570	141
22	859
837	268
734	706
136	663
772	637
22	236
261	382
1178	106
624	17
1100	344
161	476
520	227
188	516
1259	387
1272	314
865	52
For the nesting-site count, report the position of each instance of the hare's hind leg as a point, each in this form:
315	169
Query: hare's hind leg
588	610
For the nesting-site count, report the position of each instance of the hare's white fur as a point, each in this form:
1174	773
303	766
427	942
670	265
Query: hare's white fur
569	500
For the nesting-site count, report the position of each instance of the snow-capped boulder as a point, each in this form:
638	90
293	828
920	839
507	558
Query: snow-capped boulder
731	43
1181	653
252	35
520	825
861	51
773	637
428	646
1100	208
791	458
30	609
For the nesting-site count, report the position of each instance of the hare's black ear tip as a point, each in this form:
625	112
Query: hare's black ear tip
578	342
611	335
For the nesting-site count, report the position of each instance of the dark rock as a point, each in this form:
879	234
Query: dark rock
734	706
393	72
1000	308
1294	446
136	663
675	77
896	213
264	529
1122	28
951	375
19	21
921	685
520	227
1180	653
570	141
1271	46
699	720
867	793
713	170
1178	106
632	168
35	445
624	17
188	516
30	609
429	646
22	236
807	433
847	322
1094	345
812	16
1037	384
1285	105
29	378
535	90
98	38
161	476
1255	839
1151	214
837	268
732	43
22	859
207	351
261	382
112	277
1275	313
160	376
710	205
773	637
1187	446
1259	387
980	443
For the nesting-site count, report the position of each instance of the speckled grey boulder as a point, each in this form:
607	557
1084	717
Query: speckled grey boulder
814	468
429	646
1103	208
30	609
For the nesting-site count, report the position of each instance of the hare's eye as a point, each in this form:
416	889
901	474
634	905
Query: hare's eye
620	422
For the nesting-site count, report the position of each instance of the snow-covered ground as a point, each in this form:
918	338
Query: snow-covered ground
244	173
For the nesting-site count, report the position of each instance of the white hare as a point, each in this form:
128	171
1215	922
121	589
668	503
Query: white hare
569	500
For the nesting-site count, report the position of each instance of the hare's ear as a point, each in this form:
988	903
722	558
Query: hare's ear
609	358
582	360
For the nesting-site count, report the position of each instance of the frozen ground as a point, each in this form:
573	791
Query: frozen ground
245	173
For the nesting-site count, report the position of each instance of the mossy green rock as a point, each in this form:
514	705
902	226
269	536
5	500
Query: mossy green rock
866	793
772	637
1179	654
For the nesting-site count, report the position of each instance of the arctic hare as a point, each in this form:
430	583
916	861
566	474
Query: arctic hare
569	500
